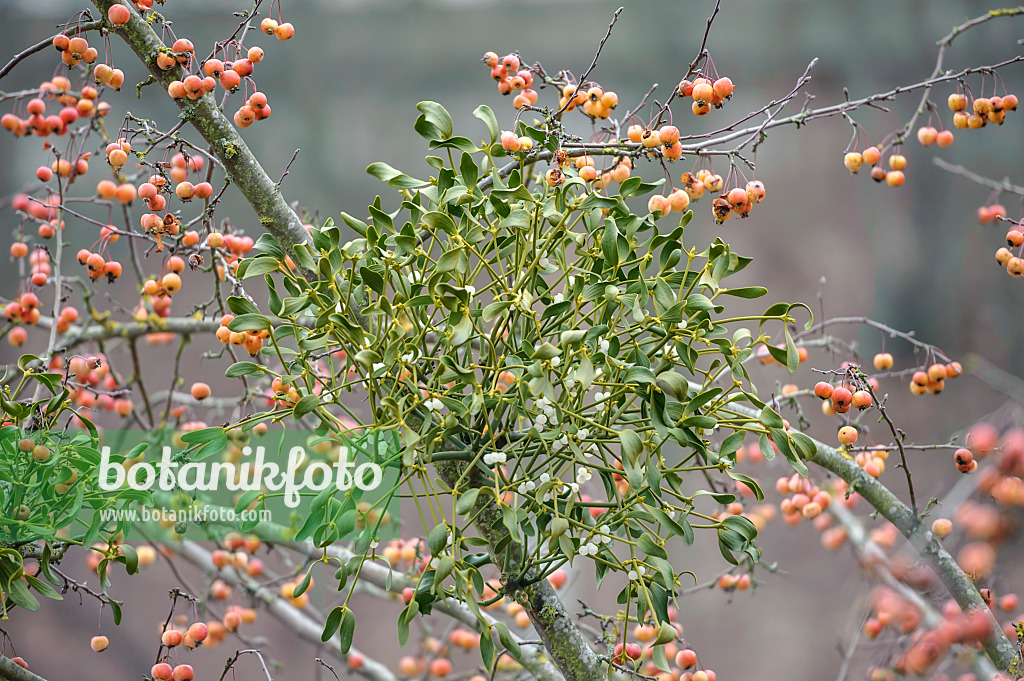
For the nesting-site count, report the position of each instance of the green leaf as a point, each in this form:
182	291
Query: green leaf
487	648
437	540
240	305
261	264
610	244
792	355
250	322
771	418
448	261
745	292
243	369
484	113
307	404
467	501
546	351
436	220
268	244
806	446
507	640
205	435
332	623
346	630
639	375
435	122
651	547
301	587
444	568
458	142
43	588
632	445
395	178
494	309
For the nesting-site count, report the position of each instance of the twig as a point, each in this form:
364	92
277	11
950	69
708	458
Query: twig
1004	185
42	45
593	64
288	167
897	436
238	653
894	333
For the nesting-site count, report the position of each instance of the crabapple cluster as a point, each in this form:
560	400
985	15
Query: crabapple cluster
592	100
91	383
512	79
25	309
706	93
75	49
872	156
275	27
974	113
933	378
251	340
1010	256
928	135
872	461
72	107
737	200
805	500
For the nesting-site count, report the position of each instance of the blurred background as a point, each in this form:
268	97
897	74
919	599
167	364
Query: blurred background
344	91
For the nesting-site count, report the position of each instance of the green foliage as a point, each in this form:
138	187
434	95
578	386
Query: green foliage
537	334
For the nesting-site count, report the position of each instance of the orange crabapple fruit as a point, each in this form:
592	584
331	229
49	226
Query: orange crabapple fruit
703	93
162	672
1015	266
944	138
668	134
183	672
847	435
200	391
963	458
853	160
284	31
755	191
927	135
678	200
554	177
171	283
171	638
659	203
882	361
440	667
861	400
841	399
510	141
198	632
942	527
871	156
650	138
723	87
99	643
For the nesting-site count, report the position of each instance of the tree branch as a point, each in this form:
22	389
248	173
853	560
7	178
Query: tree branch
563	639
241	165
961	588
14	672
296	620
